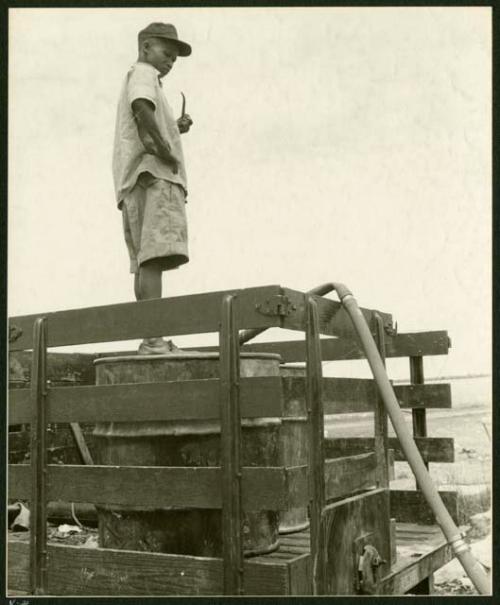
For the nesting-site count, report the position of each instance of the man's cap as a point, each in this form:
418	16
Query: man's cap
167	31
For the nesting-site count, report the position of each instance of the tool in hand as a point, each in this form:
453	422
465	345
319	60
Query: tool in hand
183	111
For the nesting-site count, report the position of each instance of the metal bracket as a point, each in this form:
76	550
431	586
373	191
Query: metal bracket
367	562
390	328
369	569
278	304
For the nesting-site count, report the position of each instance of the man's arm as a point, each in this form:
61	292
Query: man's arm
144	114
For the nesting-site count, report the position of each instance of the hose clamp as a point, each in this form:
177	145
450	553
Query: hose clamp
459	545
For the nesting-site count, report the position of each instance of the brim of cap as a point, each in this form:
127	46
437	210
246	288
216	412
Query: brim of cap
184	48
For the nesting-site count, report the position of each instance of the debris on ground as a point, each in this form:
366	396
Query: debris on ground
452	579
92	542
65	530
462	586
21	520
72	535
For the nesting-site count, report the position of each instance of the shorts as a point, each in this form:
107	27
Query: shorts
154	223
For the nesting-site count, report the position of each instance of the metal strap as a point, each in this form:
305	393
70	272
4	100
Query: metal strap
231	451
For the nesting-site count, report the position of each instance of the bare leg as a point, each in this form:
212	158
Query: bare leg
147	283
136	286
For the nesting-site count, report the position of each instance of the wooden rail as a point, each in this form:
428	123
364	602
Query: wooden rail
187	400
347	348
264	488
352	395
199	399
73	570
344	476
433	449
79	368
193	314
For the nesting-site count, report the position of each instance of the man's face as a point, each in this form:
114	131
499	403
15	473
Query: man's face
160	53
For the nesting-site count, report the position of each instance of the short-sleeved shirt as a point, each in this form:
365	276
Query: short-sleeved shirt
130	157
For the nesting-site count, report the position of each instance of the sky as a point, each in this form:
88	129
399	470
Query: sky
329	144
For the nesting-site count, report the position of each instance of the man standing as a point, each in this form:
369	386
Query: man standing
148	168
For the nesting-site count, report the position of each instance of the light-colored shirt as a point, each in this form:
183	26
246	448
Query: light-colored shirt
130	157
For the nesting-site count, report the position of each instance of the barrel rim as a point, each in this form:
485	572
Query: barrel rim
185	356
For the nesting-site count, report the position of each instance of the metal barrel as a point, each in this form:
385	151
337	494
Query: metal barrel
182	443
294	441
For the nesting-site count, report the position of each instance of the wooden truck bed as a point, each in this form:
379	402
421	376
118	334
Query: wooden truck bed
77	570
344	481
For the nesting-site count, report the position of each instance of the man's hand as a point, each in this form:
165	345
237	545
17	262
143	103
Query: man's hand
163	152
170	159
184	123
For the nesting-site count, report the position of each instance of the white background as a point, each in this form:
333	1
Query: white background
347	144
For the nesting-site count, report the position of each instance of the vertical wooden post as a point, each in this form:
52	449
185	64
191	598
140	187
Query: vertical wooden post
231	451
419	421
418	416
316	448
380	415
38	517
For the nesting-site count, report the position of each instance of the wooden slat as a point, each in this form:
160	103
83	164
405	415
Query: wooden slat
300	576
186	400
74	570
297	486
38	457
418	343
264	488
333	319
199	399
343	476
316	416
410	506
18	566
193	314
230	473
409	572
338	349
80	443
345	522
435	395
351	395
433	449
419	418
